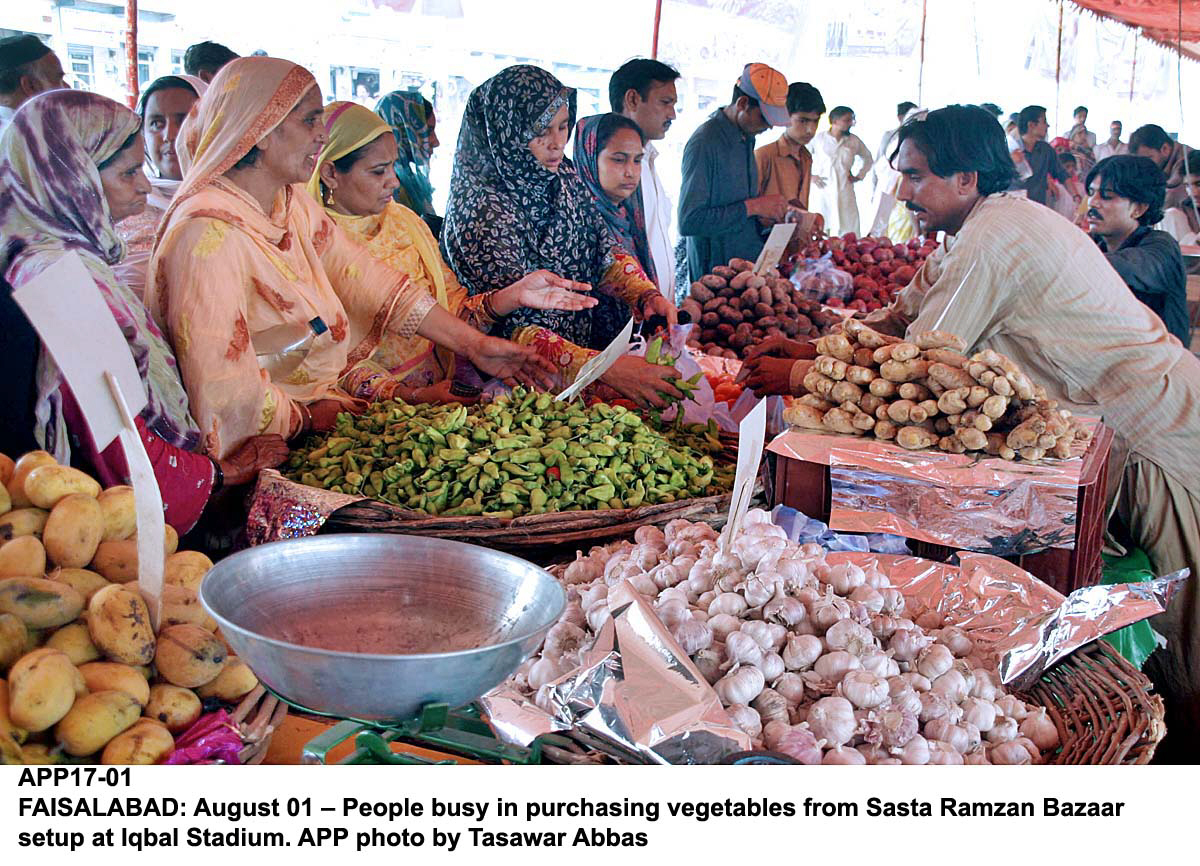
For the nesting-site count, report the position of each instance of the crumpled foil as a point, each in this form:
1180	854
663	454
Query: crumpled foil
1021	625
280	509
958	500
636	695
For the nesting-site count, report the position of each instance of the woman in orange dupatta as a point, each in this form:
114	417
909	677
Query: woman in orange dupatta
242	255
354	184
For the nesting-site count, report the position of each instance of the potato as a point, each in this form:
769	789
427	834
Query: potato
189	656
6	470
73	530
234	682
47	485
22	557
22	521
21	469
84	582
147	742
187	568
176	707
39	603
42	686
119	623
74	640
120	514
11	737
182	606
109	676
95	719
14	639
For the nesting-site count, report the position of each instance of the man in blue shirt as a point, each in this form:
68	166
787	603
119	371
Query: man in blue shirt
719	208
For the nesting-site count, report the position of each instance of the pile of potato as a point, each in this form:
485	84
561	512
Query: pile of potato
926	393
85	673
737	308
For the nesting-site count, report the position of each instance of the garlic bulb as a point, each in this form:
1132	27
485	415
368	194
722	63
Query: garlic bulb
977	757
692	635
741	685
943	730
843	755
711	663
546	670
1009	753
951	685
907	644
1039	729
980	713
934	661
893	601
845	577
795	741
879	663
956	641
771	706
1003	731
849	636
597	616
741	648
758	590
943	753
895	727
869	598
791	686
767	635
832	720
593	595
832	666
573	613
784	610
728	602
863	689
564	640
915	752
723	625
645	585
772	666
747	719
1012	706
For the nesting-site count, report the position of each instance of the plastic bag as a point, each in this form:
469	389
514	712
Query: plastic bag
820	280
802	529
702	404
1135	642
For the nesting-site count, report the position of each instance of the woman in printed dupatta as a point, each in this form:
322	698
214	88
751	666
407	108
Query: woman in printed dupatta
71	163
414	127
353	181
517	204
245	253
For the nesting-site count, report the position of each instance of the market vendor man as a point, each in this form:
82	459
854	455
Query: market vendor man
1015	277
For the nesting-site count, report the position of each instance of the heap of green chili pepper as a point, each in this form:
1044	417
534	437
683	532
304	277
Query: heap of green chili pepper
526	453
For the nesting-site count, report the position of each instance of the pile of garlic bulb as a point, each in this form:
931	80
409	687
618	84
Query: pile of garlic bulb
817	661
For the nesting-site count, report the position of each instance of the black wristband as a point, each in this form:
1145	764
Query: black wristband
218	476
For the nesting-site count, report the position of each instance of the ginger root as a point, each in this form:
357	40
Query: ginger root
940	340
915	438
802	415
836	346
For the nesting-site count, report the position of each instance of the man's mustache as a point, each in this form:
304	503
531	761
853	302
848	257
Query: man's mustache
1094	214
914	208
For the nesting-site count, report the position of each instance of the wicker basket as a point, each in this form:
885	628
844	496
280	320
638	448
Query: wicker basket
1102	707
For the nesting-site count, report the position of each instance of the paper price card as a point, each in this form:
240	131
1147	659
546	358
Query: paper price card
775	247
598	366
752	436
63	302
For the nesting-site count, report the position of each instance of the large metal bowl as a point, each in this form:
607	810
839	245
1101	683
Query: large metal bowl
375	626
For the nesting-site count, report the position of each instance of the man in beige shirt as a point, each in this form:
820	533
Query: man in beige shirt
1016	277
785	166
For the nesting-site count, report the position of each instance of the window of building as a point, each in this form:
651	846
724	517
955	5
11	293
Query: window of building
145	64
82	60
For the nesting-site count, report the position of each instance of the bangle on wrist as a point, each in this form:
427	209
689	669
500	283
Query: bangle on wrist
306	419
489	308
218	475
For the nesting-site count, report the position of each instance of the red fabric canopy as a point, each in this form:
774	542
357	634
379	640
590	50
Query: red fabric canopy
1157	19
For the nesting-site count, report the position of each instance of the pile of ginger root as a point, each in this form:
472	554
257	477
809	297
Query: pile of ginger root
925	393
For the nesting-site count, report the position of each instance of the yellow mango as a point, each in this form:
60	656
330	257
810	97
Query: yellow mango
25	464
22	521
94	720
119	622
175	707
24	556
182	606
74	640
120	513
47	485
234	682
42	687
14	639
147	742
187	568
6	469
73	530
83	581
5	500
39	603
107	676
11	737
189	656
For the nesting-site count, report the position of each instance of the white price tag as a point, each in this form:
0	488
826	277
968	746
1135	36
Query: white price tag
598	365
775	246
752	436
63	303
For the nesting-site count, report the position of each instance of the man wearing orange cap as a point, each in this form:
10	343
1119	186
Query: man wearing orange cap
721	214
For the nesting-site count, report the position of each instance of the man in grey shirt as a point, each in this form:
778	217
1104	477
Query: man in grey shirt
719	207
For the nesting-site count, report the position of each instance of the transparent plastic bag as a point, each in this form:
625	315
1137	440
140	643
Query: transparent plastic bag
820	280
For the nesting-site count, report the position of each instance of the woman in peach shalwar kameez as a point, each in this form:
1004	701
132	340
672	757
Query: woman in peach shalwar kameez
227	268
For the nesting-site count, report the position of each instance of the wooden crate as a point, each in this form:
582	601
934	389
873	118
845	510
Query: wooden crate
806	487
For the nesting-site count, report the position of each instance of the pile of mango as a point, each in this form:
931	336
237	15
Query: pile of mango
523	453
85	675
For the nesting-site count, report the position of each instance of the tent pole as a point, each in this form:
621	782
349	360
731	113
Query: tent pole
657	21
1058	67
1133	69
131	51
921	68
